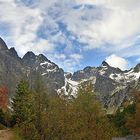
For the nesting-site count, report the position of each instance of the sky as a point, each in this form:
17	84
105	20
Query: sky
74	33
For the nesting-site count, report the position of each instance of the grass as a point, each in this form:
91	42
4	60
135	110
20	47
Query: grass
2	127
16	134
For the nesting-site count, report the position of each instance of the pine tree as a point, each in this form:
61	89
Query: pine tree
22	102
24	111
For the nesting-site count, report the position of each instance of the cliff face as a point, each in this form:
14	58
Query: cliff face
13	69
112	85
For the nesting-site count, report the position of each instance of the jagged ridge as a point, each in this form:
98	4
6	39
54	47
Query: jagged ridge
112	85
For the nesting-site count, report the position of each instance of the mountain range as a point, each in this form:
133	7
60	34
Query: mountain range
112	85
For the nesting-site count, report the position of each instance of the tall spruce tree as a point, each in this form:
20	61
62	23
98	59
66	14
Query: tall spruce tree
19	101
24	111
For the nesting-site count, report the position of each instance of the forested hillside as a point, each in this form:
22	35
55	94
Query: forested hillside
39	115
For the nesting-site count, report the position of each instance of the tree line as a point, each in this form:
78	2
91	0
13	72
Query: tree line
39	115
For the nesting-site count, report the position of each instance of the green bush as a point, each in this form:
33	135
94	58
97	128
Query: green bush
2	127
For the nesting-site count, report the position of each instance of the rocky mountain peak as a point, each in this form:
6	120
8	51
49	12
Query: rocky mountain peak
13	52
3	45
137	68
68	75
29	58
104	63
88	68
29	55
111	84
42	58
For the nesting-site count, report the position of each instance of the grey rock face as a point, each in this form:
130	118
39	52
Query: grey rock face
3	45
105	69
52	75
137	68
13	69
86	73
112	85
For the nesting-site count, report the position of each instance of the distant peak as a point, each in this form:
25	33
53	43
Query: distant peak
3	45
42	57
29	54
137	68
87	68
104	63
13	52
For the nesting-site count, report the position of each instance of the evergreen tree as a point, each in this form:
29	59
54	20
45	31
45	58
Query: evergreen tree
57	118
24	111
23	103
19	101
119	118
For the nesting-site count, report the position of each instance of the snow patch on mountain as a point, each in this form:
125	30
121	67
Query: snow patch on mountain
125	77
46	63
103	70
70	88
43	74
133	74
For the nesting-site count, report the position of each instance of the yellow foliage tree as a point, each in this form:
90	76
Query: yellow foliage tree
133	122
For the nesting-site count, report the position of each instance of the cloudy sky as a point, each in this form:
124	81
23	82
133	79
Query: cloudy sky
74	33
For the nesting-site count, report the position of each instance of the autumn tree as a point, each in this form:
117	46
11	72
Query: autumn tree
58	118
80	118
40	104
133	121
119	118
5	115
3	98
90	119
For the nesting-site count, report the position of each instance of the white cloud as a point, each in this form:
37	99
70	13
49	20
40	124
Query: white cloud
127	4
60	57
24	23
76	56
110	25
117	62
69	62
118	23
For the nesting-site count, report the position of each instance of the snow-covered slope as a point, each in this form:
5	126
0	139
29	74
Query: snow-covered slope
126	77
70	88
112	85
53	76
